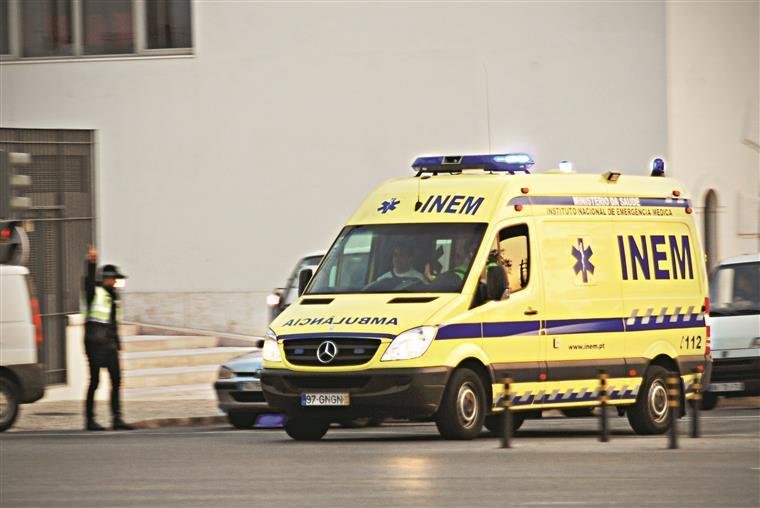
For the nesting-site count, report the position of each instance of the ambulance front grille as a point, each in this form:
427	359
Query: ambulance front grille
351	351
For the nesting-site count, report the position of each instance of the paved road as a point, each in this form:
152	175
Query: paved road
555	462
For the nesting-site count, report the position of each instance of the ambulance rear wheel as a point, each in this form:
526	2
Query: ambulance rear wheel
462	410
306	429
651	413
495	424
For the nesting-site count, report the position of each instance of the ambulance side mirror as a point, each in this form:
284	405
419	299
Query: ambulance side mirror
496	283
303	280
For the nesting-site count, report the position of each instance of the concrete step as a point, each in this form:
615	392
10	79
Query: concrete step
128	329
202	391
138	343
170	376
180	357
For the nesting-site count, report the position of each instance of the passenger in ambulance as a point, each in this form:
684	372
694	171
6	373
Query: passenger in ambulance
463	252
402	265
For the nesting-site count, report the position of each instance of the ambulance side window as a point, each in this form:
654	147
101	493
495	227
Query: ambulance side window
511	251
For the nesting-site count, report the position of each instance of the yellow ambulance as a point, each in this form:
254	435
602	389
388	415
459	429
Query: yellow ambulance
442	284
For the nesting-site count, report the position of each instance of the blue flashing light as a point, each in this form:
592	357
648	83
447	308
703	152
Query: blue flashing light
658	167
507	162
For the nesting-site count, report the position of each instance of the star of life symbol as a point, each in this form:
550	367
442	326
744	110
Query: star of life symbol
582	255
388	206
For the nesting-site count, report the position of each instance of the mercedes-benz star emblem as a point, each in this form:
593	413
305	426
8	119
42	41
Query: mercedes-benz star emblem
327	351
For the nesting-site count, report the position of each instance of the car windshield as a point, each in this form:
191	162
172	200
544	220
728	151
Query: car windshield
735	290
399	258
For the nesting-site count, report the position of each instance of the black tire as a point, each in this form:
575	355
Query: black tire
578	412
242	420
494	423
709	401
463	408
651	413
306	429
8	403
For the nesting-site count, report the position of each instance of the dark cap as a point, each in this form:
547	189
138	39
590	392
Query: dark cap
111	271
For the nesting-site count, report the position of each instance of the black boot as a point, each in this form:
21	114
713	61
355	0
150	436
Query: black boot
93	425
119	424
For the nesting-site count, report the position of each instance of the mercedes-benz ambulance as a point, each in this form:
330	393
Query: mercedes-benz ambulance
442	284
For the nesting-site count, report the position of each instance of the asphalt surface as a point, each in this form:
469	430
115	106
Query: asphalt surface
554	462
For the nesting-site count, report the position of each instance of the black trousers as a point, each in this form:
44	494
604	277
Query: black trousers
109	359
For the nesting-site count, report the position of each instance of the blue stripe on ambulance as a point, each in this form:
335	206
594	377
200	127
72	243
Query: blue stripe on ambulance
568	326
330	335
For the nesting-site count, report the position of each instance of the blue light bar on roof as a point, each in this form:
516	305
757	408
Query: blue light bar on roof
506	162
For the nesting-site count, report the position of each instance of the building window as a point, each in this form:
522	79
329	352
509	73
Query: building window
5	40
167	24
108	27
47	29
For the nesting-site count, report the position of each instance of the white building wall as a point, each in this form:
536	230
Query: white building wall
713	114
217	171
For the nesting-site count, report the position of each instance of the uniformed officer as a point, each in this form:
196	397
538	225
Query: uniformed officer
102	313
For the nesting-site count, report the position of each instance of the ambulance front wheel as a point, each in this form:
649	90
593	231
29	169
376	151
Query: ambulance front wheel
462	409
303	428
650	414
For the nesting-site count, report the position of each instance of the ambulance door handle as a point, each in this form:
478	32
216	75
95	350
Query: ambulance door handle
530	312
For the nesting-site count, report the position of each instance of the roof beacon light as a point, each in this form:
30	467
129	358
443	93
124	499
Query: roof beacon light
507	162
565	166
658	167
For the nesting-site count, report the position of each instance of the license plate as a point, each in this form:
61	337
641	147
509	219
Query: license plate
324	399
253	386
726	387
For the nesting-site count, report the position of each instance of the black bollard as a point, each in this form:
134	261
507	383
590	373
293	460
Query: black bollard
673	401
695	403
604	432
507	419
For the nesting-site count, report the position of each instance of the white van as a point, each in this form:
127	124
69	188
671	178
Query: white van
22	378
735	329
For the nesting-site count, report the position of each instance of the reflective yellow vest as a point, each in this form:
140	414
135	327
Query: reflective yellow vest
100	308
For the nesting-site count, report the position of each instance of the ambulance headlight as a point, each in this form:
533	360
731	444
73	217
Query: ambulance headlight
271	350
410	344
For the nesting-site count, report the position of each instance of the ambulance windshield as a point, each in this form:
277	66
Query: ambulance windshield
399	258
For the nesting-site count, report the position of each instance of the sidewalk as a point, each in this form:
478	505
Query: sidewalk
69	415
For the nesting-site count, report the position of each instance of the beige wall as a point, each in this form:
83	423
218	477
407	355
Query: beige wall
216	172
713	55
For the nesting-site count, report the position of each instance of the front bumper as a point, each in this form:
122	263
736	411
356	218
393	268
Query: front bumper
240	396
387	393
737	370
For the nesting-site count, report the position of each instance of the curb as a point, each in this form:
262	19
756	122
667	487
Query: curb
195	421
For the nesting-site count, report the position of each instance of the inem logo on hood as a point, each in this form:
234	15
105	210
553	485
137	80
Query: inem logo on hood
332	320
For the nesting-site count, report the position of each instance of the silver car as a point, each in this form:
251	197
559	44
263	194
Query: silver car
238	389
